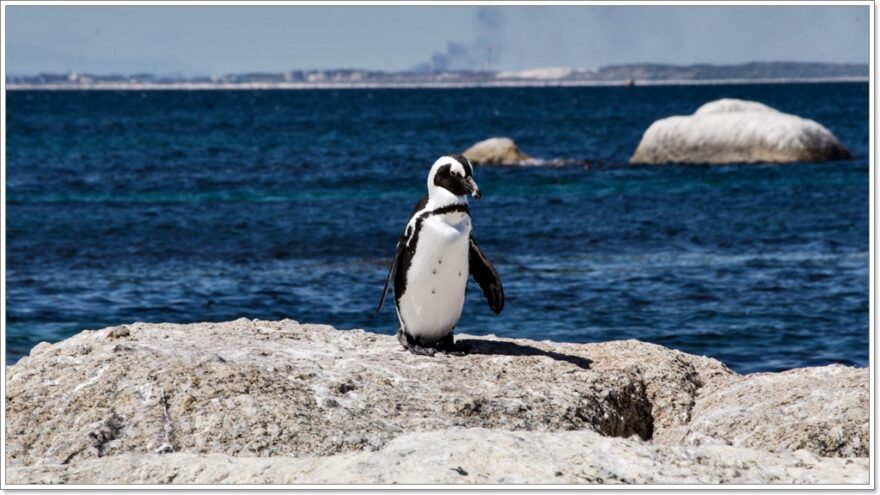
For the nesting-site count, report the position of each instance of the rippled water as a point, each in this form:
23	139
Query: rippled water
193	206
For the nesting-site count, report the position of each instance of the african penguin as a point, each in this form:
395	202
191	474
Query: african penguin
435	255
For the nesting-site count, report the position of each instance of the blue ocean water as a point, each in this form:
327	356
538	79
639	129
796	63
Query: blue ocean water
192	206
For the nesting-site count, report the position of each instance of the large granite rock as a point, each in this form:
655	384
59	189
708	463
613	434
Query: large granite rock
822	410
498	151
156	401
737	131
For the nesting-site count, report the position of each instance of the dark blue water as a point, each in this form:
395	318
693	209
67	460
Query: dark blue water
193	206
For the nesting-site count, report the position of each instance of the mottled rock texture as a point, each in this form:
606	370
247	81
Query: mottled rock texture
280	402
474	455
823	410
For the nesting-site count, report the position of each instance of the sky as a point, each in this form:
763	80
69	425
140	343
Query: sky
215	40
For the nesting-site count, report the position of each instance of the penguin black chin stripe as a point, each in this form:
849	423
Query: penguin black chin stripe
435	255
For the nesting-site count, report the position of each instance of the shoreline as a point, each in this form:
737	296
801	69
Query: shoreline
415	85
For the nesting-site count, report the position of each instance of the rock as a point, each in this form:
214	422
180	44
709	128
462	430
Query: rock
737	131
226	400
117	332
824	410
498	151
473	455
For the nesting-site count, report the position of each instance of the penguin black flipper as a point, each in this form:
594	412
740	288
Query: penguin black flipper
486	276
398	258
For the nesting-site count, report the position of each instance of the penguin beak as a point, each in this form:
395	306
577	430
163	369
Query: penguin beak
472	188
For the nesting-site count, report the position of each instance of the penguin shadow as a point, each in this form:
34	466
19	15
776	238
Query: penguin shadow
503	348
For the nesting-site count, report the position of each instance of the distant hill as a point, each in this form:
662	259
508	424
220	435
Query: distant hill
752	71
612	74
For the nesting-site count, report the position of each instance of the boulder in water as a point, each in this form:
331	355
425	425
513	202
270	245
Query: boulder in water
498	151
737	131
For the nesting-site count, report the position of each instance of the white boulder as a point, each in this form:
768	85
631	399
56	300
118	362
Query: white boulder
737	131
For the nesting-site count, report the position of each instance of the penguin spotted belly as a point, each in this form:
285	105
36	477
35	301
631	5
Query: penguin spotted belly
437	278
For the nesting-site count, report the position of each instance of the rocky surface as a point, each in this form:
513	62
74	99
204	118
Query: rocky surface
737	131
498	151
823	410
258	401
475	455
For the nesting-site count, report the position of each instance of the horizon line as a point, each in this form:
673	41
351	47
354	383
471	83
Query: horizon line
178	74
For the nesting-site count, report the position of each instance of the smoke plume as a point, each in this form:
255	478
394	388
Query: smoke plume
482	53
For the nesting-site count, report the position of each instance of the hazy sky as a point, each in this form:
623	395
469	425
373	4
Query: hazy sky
203	40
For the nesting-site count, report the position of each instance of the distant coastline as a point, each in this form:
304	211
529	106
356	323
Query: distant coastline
413	85
617	75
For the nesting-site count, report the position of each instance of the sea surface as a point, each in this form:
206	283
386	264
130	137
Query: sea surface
187	206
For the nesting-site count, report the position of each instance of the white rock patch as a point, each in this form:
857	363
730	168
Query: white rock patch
737	131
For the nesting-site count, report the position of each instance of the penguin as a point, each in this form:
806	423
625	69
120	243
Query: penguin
434	257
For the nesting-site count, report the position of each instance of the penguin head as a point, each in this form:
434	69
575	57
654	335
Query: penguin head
453	174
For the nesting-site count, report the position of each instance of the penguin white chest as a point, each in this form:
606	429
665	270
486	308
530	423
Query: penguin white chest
437	277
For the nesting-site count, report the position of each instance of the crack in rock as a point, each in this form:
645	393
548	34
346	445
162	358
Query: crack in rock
167	427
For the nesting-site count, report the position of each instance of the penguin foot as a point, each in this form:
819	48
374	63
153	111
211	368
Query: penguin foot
455	352
447	346
421	351
410	344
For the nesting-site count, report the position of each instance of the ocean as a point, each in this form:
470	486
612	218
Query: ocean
187	206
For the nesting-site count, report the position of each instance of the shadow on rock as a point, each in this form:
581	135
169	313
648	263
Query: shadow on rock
502	348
